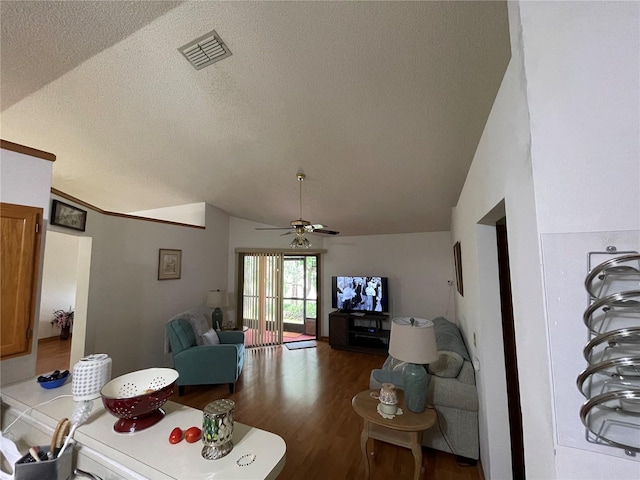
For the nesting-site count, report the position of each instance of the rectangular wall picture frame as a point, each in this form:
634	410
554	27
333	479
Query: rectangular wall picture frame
68	216
169	264
457	258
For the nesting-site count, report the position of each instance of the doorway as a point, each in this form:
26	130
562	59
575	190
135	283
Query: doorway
300	297
279	300
65	284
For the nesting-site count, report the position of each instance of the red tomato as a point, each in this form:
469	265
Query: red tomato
175	436
192	434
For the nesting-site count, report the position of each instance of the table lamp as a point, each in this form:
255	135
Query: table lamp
413	340
217	299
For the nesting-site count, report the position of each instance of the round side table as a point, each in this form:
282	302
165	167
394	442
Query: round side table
403	430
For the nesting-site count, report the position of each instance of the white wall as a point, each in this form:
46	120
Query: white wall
128	306
191	214
59	272
418	265
583	83
560	152
24	180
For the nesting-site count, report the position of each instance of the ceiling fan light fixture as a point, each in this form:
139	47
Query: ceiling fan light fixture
300	241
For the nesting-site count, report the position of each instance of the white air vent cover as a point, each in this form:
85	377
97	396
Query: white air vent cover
205	50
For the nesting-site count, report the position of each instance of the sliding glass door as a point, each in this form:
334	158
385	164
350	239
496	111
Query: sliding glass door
279	296
261	307
300	294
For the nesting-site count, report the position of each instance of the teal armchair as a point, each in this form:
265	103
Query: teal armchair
204	364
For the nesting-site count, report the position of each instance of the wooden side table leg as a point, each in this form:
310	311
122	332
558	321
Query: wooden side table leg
364	436
416	449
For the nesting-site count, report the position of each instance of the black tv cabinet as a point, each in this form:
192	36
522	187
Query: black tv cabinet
359	333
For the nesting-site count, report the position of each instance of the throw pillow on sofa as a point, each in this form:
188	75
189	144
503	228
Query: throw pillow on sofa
448	365
451	348
210	337
199	324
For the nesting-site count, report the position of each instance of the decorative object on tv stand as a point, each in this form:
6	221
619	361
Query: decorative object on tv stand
217	428
388	399
90	374
63	319
217	299
169	264
413	340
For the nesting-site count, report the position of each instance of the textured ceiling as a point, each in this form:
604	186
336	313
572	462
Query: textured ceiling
380	104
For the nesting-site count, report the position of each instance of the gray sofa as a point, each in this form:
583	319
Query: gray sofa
451	390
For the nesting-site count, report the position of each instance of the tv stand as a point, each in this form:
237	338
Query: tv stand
359	332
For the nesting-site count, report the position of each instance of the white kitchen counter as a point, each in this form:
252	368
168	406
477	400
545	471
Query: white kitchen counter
148	453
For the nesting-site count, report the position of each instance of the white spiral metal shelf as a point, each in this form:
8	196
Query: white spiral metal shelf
611	381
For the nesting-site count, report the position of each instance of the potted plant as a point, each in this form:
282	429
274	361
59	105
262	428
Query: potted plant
63	319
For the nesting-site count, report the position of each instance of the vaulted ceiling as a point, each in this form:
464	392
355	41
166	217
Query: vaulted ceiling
380	104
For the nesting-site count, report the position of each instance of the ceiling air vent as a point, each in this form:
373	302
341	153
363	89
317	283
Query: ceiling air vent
205	50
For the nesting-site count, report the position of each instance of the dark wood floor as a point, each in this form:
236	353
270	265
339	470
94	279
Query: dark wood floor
53	354
305	397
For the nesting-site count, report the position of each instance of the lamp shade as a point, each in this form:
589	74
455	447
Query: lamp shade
217	299
413	340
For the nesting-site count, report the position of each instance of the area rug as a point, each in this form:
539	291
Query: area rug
299	345
291	334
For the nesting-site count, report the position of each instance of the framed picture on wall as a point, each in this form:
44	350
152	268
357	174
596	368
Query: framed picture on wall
68	216
169	264
457	259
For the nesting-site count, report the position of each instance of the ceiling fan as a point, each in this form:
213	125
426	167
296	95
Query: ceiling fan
300	226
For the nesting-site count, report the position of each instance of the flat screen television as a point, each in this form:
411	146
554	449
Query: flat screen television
360	294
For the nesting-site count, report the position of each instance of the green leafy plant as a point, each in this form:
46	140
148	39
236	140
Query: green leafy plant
62	318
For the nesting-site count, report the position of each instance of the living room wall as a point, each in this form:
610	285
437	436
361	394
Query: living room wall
418	266
566	113
128	306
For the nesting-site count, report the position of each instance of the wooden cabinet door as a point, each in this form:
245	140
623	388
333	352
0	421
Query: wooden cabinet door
19	267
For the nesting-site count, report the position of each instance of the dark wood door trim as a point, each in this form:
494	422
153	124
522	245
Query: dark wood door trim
510	354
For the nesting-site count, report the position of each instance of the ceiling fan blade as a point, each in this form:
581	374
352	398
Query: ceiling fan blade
273	228
286	233
326	232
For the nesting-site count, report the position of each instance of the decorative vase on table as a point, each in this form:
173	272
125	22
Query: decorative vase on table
63	319
65	332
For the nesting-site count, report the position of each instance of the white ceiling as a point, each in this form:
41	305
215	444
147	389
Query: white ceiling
380	104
